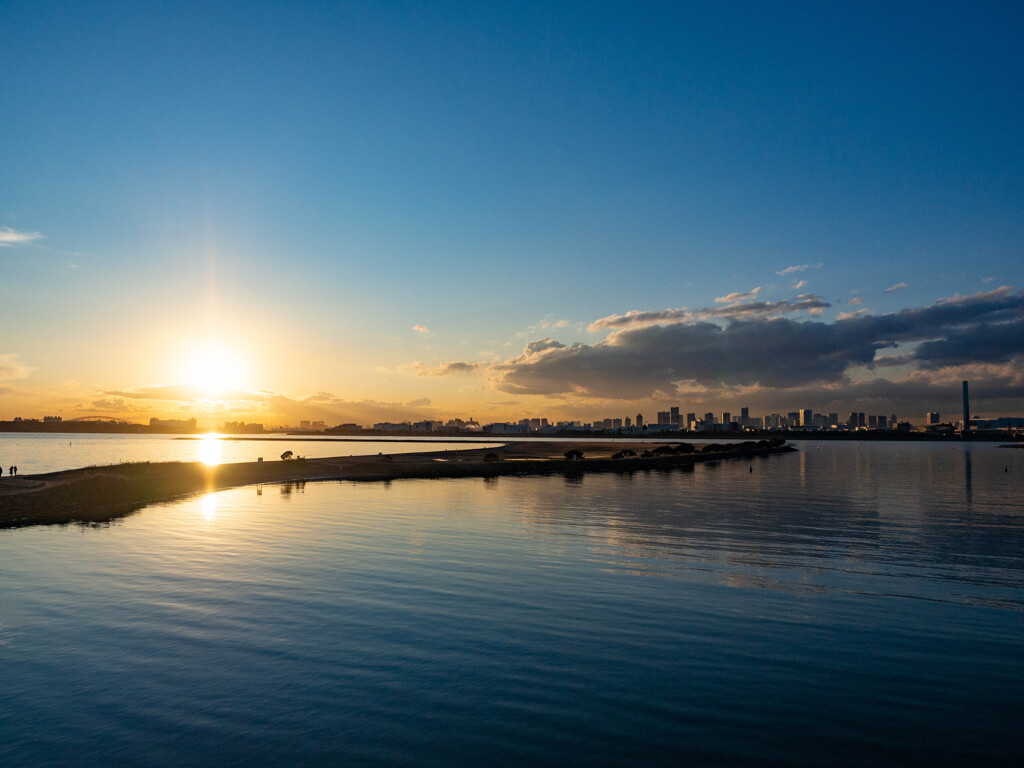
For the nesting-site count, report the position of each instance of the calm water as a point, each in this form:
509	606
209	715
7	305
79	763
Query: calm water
34	453
846	605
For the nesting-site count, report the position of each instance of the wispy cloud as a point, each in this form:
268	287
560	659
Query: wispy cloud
9	237
446	369
798	268
851	302
732	298
897	287
421	328
12	368
183	393
804	302
799	284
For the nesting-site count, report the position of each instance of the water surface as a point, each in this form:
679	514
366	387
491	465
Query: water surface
845	605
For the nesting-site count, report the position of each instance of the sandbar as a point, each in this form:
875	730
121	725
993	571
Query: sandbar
101	494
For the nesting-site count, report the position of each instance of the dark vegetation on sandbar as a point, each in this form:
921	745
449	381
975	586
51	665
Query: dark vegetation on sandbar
100	494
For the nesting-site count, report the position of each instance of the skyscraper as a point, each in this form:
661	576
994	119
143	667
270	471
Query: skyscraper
967	412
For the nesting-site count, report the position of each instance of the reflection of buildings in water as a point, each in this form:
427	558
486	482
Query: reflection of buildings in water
968	485
298	486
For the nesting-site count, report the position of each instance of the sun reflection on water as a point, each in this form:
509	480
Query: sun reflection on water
209	506
210	449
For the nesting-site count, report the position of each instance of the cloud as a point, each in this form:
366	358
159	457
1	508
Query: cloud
9	237
638	360
536	347
12	368
988	279
805	302
798	268
183	393
897	287
446	369
799	284
636	318
421	328
733	298
422	402
851	302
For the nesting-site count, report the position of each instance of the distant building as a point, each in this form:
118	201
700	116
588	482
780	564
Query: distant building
173	425
664	417
387	426
241	428
931	418
639	419
673	415
1005	422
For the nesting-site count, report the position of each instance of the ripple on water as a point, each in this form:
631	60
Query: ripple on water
823	608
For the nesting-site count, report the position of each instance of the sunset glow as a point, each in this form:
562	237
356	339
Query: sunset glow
213	372
476	220
211	449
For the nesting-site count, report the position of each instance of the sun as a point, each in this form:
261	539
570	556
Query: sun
213	371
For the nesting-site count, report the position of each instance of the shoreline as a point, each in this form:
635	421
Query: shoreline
104	493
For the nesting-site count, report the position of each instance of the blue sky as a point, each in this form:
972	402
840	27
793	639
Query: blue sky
307	182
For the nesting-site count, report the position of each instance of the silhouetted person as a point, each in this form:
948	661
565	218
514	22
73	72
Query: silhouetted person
10	470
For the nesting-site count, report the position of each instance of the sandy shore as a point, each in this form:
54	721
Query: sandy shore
98	494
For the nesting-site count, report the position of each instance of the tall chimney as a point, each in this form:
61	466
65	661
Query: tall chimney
967	412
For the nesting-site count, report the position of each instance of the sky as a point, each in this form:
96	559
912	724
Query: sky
402	211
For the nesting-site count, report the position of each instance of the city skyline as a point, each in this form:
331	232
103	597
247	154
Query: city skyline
375	213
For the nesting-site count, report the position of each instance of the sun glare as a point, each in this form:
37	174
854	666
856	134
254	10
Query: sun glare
214	372
211	450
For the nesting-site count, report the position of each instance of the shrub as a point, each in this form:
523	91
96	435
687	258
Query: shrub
492	457
573	454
